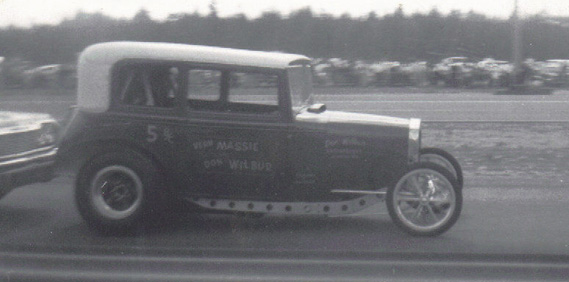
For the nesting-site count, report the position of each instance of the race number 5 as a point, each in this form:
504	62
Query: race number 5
152	135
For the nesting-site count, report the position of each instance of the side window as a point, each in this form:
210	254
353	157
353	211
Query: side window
233	91
251	92
204	85
148	85
204	90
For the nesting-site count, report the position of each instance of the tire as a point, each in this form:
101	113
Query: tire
426	201
115	191
444	159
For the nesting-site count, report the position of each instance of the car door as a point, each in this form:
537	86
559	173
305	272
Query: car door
235	134
324	160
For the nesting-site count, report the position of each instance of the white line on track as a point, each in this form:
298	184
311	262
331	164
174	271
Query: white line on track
35	102
447	102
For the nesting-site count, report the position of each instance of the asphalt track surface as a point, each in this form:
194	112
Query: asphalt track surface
504	233
508	229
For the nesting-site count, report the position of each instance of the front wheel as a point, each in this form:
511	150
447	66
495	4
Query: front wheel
444	159
426	201
115	191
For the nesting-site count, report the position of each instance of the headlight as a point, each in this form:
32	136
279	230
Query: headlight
414	140
48	134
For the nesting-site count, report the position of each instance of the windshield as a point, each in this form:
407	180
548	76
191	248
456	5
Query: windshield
300	84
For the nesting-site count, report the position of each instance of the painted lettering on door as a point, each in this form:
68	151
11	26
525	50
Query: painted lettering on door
248	165
345	148
238	165
226	145
154	133
238	146
202	145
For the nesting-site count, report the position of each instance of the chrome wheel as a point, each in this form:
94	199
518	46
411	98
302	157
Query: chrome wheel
440	160
116	192
444	159
426	200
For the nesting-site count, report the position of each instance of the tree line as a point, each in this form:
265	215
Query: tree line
393	37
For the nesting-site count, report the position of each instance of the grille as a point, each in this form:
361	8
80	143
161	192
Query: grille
20	142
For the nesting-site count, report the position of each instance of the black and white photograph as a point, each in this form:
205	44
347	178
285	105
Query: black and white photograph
301	140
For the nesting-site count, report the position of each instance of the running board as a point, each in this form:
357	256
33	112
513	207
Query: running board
292	208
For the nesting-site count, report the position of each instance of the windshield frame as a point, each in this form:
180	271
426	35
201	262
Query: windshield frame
300	86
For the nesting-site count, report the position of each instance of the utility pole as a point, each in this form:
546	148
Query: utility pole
520	73
517	43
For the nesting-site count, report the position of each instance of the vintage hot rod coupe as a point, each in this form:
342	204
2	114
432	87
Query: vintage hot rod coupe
237	131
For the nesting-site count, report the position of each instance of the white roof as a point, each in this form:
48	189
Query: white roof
96	62
110	52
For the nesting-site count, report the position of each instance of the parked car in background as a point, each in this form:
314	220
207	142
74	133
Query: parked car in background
12	72
18	73
454	71
51	76
555	72
237	131
496	72
27	149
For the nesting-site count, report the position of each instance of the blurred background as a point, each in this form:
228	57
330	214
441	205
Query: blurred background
421	47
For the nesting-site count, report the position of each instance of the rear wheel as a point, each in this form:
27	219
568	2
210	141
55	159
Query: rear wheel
426	201
116	190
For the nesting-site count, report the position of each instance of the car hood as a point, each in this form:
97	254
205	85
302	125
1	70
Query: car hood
336	117
17	121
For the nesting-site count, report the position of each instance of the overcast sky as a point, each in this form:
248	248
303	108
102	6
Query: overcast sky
29	12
